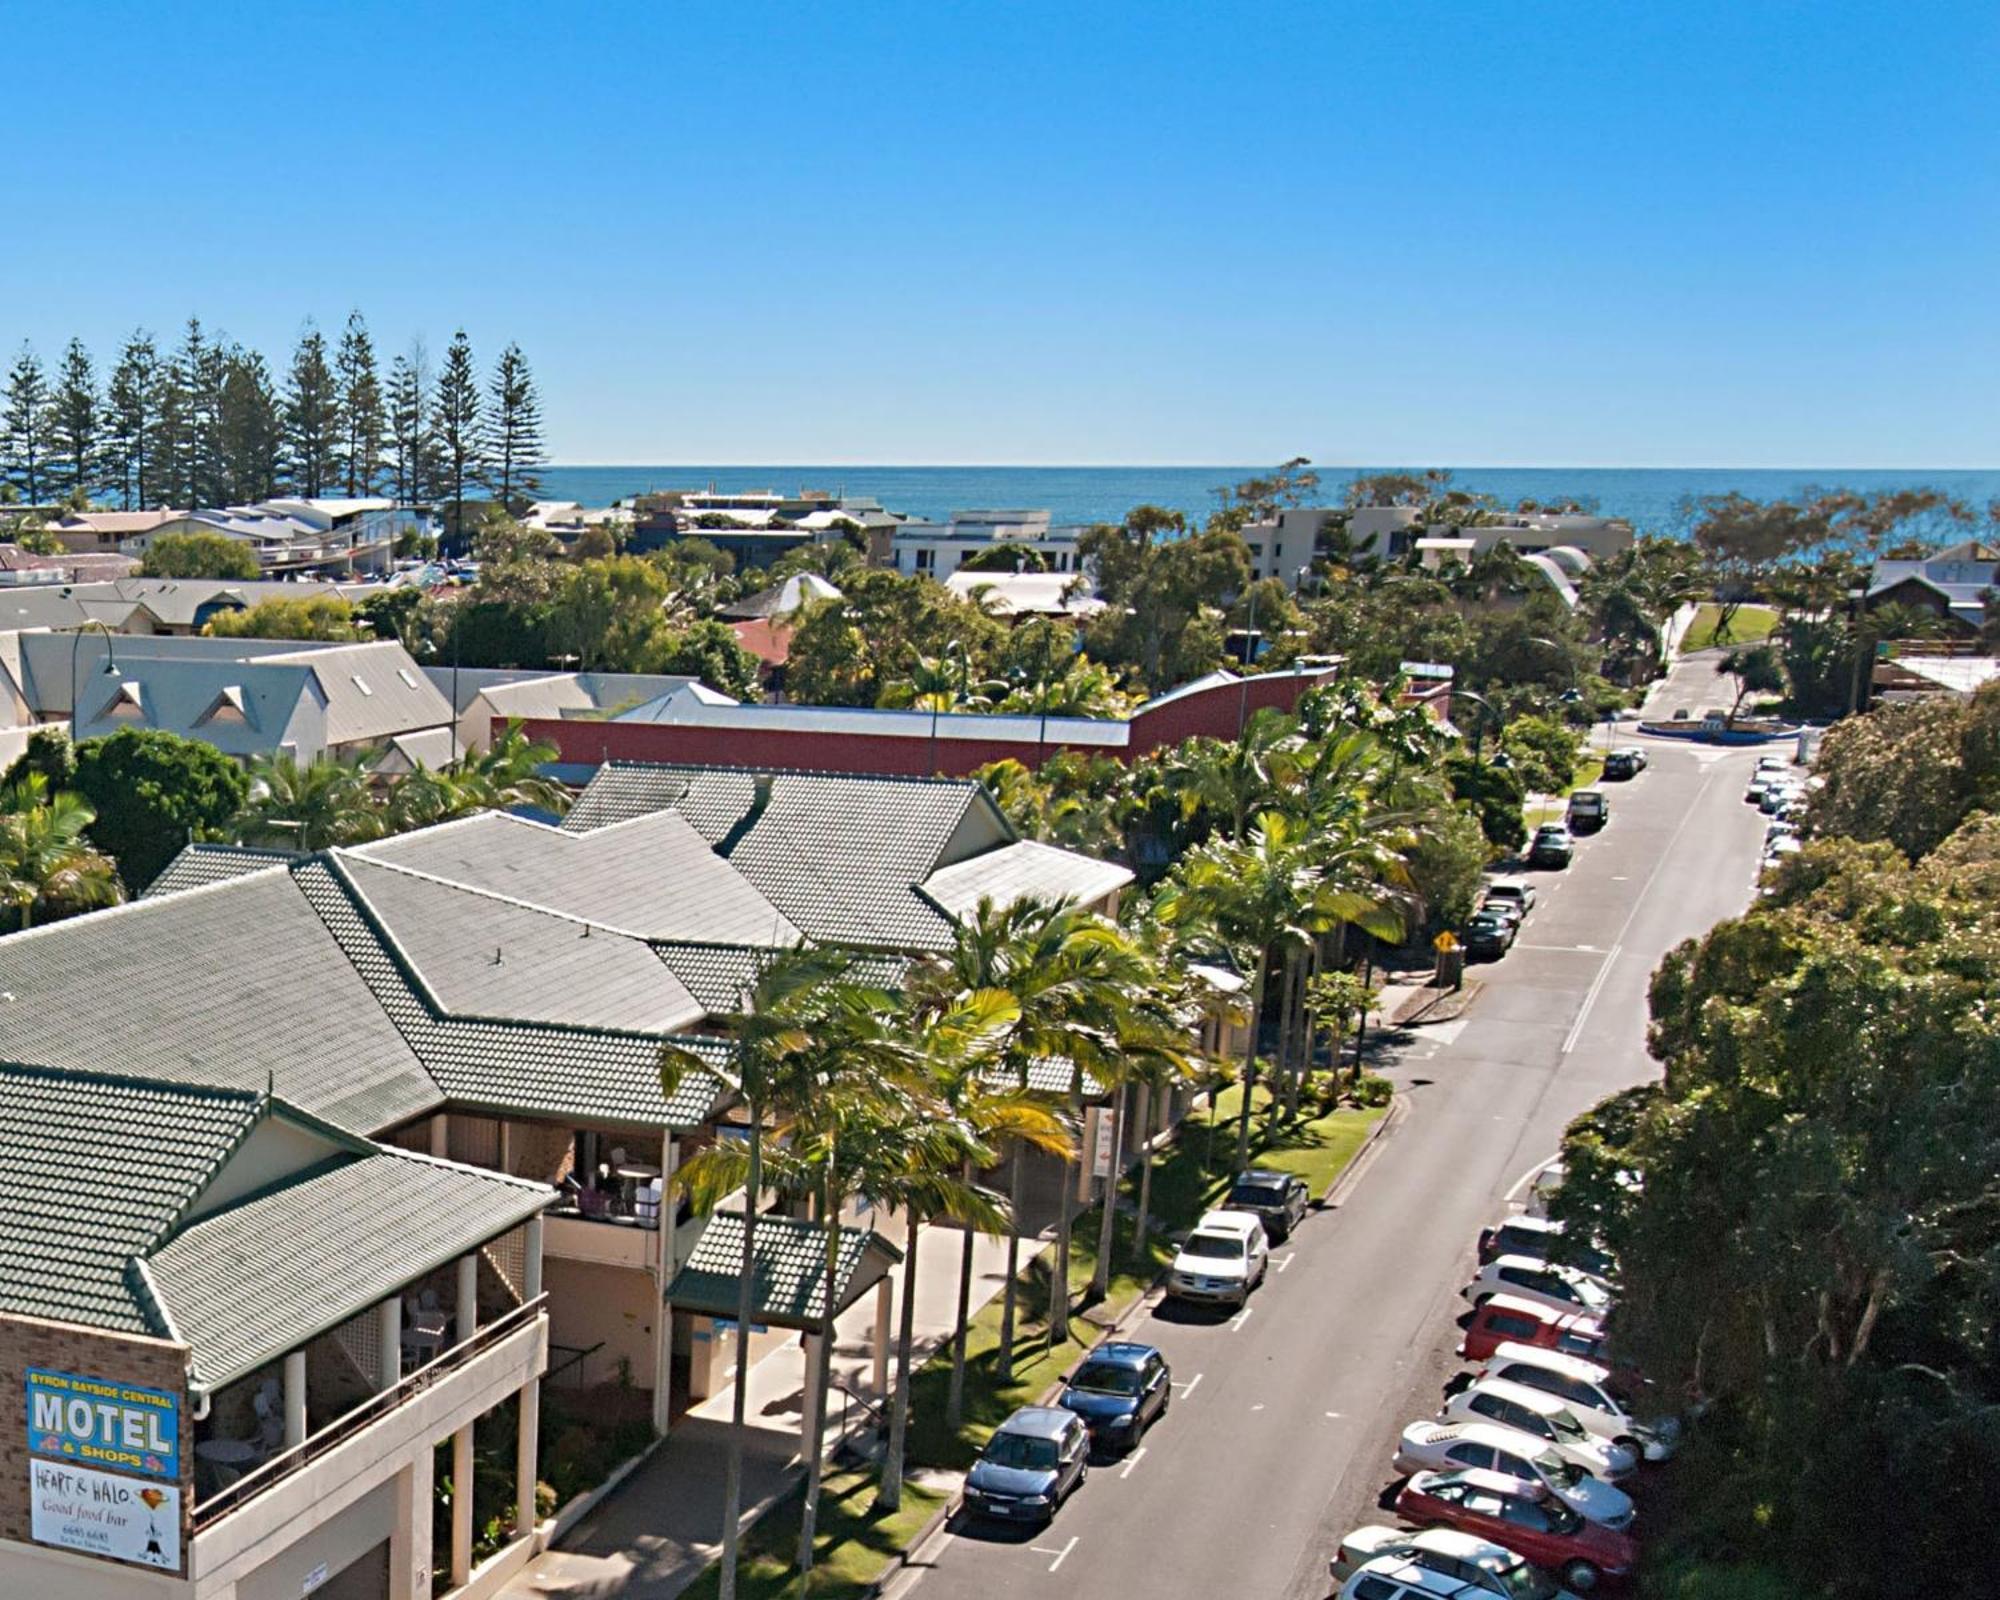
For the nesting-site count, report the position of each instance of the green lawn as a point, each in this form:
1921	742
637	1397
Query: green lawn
1750	625
853	1542
855	1545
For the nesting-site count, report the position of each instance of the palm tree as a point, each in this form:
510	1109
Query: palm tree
1271	893
309	807
45	859
775	1020
509	774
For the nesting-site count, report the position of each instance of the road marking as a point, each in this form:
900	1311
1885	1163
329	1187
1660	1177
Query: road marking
1283	1261
1527	1178
1619	877
1132	1461
1333	1413
1191	1382
1258	1407
1560	949
1590	999
1058	1554
1240	1318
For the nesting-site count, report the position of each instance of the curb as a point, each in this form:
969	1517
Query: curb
923	1536
1440	1008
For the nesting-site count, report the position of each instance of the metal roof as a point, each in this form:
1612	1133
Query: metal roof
261	1277
1024	870
789	1269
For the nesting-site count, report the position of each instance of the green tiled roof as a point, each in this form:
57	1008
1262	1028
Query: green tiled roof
534	1069
248	1283
1023	870
92	1168
790	1269
841	855
199	865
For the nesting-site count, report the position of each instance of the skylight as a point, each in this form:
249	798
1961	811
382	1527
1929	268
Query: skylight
361	684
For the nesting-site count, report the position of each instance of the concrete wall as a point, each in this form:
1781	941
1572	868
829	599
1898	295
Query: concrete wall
591	1303
65	1347
337	1543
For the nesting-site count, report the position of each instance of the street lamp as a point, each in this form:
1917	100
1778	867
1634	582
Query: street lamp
110	663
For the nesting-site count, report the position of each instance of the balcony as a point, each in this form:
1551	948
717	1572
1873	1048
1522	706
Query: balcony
235	1529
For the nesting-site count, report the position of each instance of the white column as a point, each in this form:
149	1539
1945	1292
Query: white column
410	1538
465	1307
884	1303
295	1399
526	1460
389	1340
461	1505
663	1334
440	1134
531	1267
815	1378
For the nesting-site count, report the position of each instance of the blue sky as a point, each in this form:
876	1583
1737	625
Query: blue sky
1583	234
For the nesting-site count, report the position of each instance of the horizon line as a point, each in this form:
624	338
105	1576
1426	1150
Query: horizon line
1215	466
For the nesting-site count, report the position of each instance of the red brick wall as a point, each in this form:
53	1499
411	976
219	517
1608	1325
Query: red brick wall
65	1347
1215	712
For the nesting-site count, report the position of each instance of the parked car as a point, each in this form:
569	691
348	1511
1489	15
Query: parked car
1753	792
1537	1236
1584	1554
1479	1566
1512	910
1119	1390
1547	1283
1553	846
1506	1319
1779	794
1589	810
1590	1389
1773	764
1543	1189
1490	933
1435	1446
1627	762
1222	1260
1535	1411
1034	1461
1276	1199
1519	891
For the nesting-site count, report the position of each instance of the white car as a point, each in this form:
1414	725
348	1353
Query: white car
1543	1189
1753	792
1486	1446
1537	1412
1520	890
1773	764
1587	1389
1546	1283
1477	1566
1222	1260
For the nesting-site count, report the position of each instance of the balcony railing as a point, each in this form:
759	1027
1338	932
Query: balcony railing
372	1410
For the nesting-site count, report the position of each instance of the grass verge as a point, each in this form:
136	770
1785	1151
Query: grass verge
853	1542
855	1545
1750	625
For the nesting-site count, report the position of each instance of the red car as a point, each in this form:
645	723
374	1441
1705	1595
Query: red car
1505	1318
1523	1518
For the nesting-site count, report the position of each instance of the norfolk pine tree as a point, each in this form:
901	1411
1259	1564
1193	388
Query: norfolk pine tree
514	429
78	424
312	418
455	419
26	421
133	421
409	427
361	418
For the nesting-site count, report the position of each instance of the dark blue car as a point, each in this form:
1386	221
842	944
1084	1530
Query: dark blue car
1119	1389
1035	1461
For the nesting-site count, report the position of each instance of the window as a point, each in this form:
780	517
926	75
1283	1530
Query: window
1471	1455
408	678
1510	1326
1374	1588
361	684
926	560
1525	1514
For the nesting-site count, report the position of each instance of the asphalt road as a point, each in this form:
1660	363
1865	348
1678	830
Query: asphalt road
1285	1418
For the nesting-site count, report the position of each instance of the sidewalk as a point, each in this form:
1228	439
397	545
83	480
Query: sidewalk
663	1526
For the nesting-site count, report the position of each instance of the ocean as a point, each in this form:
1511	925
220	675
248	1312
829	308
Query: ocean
1651	498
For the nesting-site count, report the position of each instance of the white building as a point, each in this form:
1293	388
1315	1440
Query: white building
301	536
938	549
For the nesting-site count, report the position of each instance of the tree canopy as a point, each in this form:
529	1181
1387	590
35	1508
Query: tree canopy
198	555
153	791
